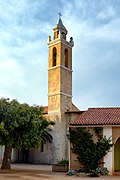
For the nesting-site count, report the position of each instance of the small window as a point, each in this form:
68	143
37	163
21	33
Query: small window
54	56
66	57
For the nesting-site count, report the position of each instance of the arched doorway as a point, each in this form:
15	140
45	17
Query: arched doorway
117	155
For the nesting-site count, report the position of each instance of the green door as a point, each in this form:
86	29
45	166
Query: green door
117	155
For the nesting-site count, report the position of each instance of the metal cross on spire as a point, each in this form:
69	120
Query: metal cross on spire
59	15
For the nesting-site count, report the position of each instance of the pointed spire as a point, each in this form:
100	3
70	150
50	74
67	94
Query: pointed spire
59	26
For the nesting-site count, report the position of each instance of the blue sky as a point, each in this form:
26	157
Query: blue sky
95	27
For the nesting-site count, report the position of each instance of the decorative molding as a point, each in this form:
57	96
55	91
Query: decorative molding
60	93
67	43
51	43
66	94
59	40
66	68
55	67
54	112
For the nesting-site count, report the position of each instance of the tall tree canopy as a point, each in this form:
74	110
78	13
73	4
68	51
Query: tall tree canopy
22	127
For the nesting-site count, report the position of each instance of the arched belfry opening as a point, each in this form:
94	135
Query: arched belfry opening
66	57
117	155
54	56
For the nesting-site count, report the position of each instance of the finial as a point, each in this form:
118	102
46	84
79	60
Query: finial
71	41
59	15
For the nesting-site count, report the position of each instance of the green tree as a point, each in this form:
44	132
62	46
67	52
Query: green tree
22	127
89	153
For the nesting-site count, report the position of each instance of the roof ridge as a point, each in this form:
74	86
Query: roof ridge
104	108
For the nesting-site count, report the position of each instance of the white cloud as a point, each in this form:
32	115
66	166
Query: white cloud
107	13
11	73
24	27
96	56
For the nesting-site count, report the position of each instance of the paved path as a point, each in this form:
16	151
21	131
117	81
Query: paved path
41	172
32	167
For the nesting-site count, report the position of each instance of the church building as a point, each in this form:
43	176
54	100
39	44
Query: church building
65	114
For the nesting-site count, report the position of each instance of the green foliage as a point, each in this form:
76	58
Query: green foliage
63	161
89	153
22	126
98	132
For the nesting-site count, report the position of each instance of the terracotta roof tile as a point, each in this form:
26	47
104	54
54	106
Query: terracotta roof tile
98	116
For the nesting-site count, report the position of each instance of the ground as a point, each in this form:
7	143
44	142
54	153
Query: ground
40	172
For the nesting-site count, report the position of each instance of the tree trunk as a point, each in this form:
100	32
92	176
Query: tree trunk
7	158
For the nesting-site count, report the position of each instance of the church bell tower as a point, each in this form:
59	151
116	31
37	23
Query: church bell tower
59	70
59	87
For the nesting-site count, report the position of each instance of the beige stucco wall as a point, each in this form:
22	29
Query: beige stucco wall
58	149
115	133
54	80
73	162
66	81
108	159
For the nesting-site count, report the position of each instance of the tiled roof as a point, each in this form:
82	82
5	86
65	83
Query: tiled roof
98	116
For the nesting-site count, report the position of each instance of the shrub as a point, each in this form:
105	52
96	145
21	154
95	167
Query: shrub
89	153
63	161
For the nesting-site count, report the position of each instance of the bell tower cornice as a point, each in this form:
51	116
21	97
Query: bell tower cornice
60	40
